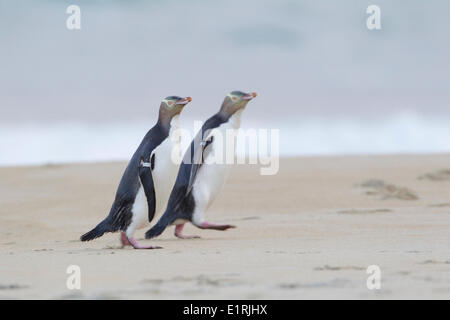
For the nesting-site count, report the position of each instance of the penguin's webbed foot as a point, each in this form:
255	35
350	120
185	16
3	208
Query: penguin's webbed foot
136	245
179	234
130	241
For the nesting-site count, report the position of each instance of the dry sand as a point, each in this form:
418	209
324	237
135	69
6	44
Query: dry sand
309	232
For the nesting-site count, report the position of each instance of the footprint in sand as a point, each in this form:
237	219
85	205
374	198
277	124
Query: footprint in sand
439	175
363	211
249	218
335	283
201	280
440	205
435	262
385	190
12	286
337	268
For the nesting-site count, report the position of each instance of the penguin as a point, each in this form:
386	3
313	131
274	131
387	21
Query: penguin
148	179
199	179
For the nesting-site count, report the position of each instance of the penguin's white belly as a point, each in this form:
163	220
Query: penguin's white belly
208	183
212	176
164	175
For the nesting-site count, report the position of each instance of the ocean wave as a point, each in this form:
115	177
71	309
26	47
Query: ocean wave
75	142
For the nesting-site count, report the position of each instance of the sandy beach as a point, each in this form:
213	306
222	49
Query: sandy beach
310	231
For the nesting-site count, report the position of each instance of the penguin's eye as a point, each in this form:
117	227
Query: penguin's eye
233	98
170	103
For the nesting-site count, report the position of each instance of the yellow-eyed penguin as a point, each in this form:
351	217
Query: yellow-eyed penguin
148	179
199	179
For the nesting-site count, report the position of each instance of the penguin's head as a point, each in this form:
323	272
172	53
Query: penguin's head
172	106
236	100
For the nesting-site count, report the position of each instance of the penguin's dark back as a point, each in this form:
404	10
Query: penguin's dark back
129	183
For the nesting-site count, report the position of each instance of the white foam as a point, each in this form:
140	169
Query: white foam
72	142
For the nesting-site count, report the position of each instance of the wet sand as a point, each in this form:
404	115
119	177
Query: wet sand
310	231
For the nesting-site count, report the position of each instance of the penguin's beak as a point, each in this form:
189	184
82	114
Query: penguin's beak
184	101
249	96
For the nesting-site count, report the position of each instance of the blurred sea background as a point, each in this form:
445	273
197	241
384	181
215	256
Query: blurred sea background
330	85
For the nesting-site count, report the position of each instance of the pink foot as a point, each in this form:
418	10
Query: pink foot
124	239
178	233
132	242
222	227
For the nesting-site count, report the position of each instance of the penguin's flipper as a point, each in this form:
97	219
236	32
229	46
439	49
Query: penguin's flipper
198	158
145	175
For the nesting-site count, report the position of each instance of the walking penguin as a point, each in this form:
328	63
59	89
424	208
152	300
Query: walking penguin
148	179
199	178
